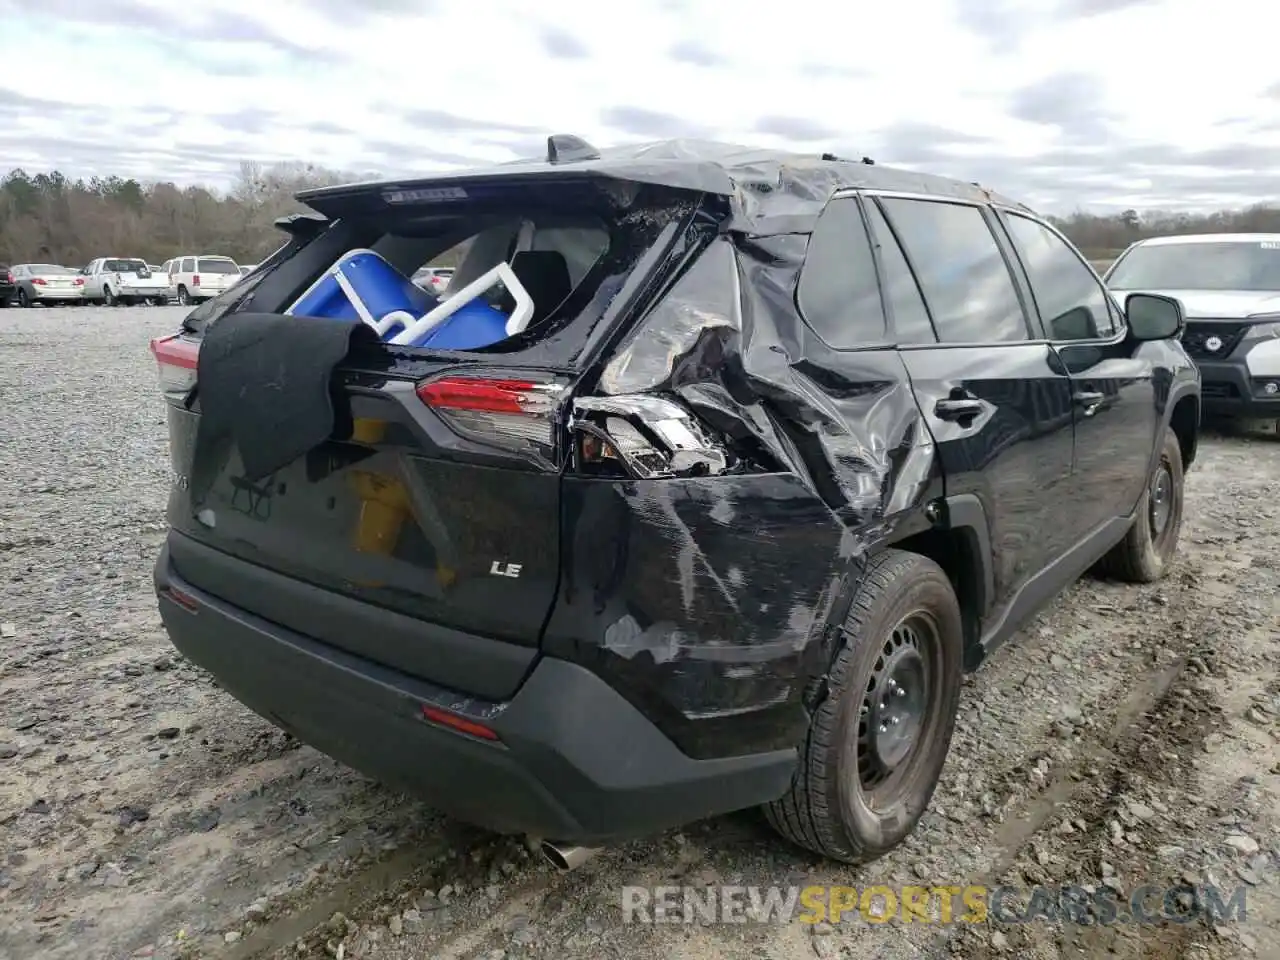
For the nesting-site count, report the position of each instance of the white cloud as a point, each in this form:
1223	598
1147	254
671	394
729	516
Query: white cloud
184	93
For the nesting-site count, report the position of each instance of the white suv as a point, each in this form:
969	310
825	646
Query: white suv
195	278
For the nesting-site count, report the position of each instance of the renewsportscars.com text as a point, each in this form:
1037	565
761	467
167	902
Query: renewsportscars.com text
1148	904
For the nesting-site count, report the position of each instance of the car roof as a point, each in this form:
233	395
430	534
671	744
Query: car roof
1209	238
761	184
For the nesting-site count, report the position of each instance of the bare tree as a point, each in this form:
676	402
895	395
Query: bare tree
45	216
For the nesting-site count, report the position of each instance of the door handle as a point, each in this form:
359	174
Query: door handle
1090	400
958	409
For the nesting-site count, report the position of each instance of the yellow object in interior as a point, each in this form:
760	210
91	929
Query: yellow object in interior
384	507
364	430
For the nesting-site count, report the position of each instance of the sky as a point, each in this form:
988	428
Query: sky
1099	105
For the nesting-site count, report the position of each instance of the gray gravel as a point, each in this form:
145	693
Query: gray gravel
1129	735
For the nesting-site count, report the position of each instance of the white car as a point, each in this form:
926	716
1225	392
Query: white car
198	277
126	280
434	280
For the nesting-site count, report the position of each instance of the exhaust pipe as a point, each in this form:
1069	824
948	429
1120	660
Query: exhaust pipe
566	858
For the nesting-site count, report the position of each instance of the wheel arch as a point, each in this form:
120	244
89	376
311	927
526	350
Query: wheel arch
958	541
1184	420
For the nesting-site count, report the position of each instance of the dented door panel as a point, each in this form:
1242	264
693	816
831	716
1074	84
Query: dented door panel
703	600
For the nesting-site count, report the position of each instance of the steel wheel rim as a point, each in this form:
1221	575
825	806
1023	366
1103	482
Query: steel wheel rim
1160	500
897	710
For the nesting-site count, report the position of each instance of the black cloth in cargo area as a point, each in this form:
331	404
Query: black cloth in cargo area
265	383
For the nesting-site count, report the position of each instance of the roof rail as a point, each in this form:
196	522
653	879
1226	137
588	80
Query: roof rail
566	148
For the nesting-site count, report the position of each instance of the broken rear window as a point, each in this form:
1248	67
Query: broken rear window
509	270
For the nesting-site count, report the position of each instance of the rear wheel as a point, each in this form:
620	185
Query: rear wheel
184	299
23	299
1148	549
878	741
108	297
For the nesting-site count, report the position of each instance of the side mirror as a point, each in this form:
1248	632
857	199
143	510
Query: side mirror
1153	317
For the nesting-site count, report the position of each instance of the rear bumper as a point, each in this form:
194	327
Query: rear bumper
74	294
1230	388
575	762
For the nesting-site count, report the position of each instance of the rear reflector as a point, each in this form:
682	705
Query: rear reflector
516	415
176	361
442	718
181	599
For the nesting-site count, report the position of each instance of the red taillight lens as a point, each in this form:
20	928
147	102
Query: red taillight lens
38	281
9	277
443	718
78	282
516	415
195	281
491	396
176	360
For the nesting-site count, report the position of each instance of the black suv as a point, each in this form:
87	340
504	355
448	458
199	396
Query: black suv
788	444
8	286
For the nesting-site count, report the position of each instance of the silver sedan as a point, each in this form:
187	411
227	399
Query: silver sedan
46	283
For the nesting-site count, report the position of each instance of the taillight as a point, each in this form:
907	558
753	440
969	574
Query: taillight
443	718
9	277
195	281
38	281
176	362
516	415
78	282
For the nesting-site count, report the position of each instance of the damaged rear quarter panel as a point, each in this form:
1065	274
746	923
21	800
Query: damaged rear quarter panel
711	602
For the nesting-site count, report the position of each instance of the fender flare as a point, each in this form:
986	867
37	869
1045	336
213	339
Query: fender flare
1177	393
966	514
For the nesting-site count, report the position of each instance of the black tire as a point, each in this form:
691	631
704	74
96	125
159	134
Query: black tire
109	298
828	808
4	302
23	299
184	298
1148	549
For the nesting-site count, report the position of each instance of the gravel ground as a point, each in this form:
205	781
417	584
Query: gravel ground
1129	735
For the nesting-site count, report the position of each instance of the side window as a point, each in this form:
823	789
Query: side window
188	264
961	270
838	292
1072	303
910	316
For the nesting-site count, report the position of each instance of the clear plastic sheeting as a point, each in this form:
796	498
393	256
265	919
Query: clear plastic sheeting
728	340
703	306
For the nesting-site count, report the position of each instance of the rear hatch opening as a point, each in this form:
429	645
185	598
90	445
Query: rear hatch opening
435	499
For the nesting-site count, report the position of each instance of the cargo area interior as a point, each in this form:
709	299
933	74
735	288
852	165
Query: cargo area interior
515	271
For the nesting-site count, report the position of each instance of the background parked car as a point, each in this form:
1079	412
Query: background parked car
46	283
247	268
126	280
434	280
7	286
1229	287
198	277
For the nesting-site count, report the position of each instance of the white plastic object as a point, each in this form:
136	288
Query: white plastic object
335	272
518	320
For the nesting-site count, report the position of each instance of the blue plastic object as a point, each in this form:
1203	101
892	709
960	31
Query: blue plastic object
475	325
383	290
380	287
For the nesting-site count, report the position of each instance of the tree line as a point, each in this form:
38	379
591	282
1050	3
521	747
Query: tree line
48	217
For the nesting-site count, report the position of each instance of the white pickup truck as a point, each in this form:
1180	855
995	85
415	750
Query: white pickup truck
126	280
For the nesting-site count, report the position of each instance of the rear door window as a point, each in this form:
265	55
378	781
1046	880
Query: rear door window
961	269
188	265
1070	298
910	316
838	292
217	266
